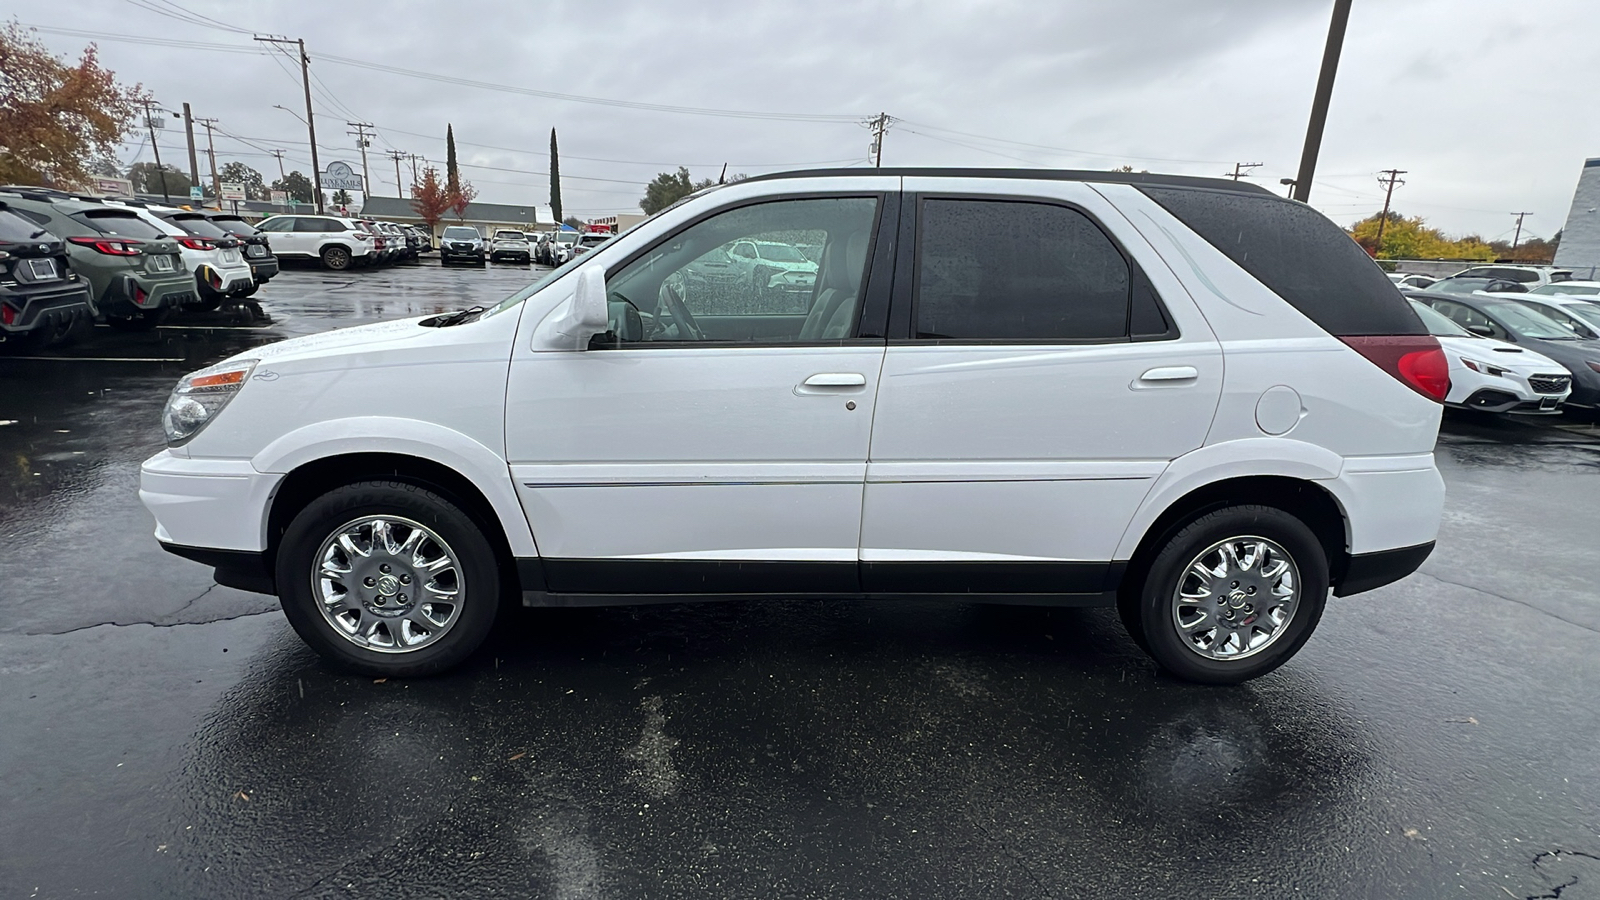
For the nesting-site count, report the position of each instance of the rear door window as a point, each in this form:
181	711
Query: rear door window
1298	254
1017	271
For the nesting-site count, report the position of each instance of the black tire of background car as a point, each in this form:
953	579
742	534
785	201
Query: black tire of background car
144	320
336	258
207	302
1151	612
313	524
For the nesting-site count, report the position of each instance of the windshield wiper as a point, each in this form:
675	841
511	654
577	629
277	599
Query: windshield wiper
460	317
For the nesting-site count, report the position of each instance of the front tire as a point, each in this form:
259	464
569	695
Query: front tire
388	579
1230	596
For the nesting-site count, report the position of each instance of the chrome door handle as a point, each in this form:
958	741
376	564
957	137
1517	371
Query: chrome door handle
1171	373
836	379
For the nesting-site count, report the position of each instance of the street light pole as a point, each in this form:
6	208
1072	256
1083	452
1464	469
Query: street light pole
311	122
1319	102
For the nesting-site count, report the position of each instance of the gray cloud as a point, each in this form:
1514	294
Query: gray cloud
1482	104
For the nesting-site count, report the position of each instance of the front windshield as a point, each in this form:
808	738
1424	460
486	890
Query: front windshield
460	231
1526	322
1460	285
567	237
1437	323
1588	312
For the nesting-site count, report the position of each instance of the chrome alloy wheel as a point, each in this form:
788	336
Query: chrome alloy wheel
388	584
1236	598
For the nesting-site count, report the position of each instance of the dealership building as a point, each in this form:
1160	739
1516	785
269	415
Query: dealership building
1580	237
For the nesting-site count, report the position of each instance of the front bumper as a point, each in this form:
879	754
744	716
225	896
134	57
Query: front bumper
216	504
1498	401
42	306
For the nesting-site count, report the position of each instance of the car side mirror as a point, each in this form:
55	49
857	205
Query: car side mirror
1481	330
577	320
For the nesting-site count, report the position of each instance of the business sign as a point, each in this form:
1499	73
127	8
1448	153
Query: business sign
340	177
196	192
113	187
233	191
280	198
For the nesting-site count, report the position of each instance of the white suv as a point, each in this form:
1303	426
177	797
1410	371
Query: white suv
1187	398
338	242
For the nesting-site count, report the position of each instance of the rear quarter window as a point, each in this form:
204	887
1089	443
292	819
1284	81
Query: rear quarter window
15	228
1297	253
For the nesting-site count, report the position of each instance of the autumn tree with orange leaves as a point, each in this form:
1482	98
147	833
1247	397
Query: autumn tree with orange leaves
430	198
57	119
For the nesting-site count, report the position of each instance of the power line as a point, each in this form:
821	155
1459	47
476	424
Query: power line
1239	170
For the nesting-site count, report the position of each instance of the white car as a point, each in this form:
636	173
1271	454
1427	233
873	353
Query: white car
1186	398
1495	376
1569	289
1580	315
338	242
215	257
1412	281
1527	276
508	243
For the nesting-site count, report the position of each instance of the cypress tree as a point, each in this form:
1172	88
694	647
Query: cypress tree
555	179
452	176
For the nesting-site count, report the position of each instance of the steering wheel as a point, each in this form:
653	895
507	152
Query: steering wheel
688	328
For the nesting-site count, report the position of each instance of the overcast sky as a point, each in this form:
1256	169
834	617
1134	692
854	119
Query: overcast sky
1489	106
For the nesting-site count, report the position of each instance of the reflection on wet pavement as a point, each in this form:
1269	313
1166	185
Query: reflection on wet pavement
161	736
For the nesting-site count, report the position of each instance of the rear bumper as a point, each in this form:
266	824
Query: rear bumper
263	270
36	306
123	296
1366	571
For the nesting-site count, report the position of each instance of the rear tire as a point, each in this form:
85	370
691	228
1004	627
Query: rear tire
1217	629
336	258
359	633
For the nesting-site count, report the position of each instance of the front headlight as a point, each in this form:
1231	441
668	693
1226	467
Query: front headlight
1483	367
199	396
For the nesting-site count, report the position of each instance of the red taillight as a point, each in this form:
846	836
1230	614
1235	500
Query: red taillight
1415	359
197	243
7	314
109	246
139	295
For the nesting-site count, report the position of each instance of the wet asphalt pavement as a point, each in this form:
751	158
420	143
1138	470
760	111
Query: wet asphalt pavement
164	737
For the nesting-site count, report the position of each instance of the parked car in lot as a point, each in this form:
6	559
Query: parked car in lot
461	242
43	302
135	272
338	243
1507	319
214	256
1494	376
509	244
405	243
424	239
1472	285
557	247
1568	289
589	243
1580	317
1188	398
257	249
1418	282
1528	276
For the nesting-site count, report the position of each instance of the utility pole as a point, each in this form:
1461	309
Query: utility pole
879	124
414	157
278	155
311	122
1518	236
360	134
1319	102
150	122
188	130
399	188
211	151
1388	183
1239	170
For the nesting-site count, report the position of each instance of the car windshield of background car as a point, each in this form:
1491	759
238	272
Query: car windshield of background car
15	228
200	227
1588	312
233	225
1528	323
1567	290
120	224
780	253
459	232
